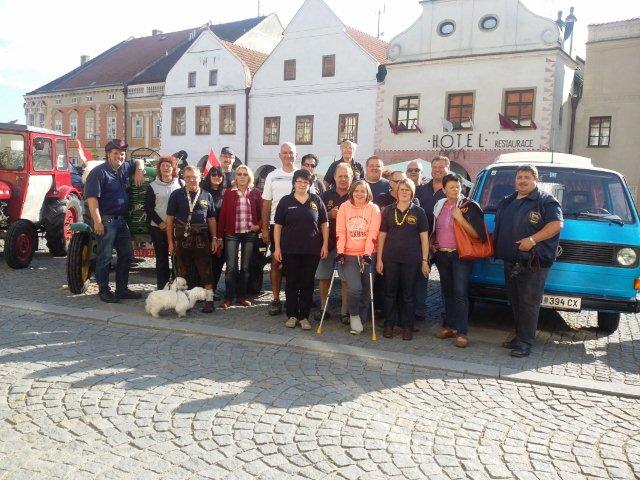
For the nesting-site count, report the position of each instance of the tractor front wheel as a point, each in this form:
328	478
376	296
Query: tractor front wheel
20	244
79	265
58	215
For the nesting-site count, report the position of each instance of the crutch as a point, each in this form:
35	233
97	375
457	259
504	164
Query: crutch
374	338
326	303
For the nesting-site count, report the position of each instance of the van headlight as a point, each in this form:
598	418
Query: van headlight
627	256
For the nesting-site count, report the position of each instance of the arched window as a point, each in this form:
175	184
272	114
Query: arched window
73	124
112	122
89	124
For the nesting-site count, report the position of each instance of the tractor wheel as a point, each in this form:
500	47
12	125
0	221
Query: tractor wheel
20	244
57	217
79	265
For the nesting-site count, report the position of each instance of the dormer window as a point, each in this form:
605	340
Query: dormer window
446	28
488	23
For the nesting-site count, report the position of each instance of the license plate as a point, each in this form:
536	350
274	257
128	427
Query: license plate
561	303
144	252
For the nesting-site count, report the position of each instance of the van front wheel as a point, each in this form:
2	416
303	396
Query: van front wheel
608	322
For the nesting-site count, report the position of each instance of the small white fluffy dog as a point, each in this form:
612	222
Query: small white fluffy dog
177	283
179	300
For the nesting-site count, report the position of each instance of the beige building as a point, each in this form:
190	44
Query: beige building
609	112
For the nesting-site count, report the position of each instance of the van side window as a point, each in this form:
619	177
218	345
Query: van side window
619	201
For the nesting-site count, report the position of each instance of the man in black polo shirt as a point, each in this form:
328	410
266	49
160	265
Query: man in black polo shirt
429	193
108	202
348	149
526	238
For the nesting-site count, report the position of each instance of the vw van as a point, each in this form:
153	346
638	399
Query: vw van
597	262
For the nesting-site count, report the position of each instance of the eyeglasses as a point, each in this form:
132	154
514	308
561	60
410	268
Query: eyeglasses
413	170
242	174
300	181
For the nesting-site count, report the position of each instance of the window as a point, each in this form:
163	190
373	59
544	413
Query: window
89	124
61	155
289	69
32	119
42	154
304	130
73	125
74	99
213	78
328	65
348	127
488	22
599	131
446	28
11	151
178	121
407	113
460	110
518	107
137	127
191	79
57	122
58	101
271	133
203	120
41	120
89	98
227	119
157	126
111	127
111	96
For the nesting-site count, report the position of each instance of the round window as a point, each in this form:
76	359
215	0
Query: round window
446	28
490	22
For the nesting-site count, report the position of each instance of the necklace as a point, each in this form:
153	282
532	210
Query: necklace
192	204
395	215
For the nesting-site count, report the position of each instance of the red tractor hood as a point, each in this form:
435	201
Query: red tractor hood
5	191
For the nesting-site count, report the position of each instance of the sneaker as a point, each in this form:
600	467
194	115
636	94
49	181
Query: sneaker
108	297
461	341
345	318
305	324
275	308
291	322
208	306
128	295
356	325
445	332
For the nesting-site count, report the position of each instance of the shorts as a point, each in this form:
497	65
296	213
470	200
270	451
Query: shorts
326	266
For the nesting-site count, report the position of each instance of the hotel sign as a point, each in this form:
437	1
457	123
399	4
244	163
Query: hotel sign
491	140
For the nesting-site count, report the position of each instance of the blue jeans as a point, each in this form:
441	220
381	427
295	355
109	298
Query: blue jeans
454	282
237	274
116	235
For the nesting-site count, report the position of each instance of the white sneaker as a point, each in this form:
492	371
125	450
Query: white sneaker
291	323
356	324
305	324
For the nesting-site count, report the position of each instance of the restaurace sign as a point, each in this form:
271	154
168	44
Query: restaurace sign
478	140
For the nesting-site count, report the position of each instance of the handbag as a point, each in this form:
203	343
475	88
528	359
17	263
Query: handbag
470	248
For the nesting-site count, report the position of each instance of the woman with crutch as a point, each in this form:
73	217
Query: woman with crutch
403	250
357	227
301	238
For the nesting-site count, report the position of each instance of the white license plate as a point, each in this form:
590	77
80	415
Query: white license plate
561	303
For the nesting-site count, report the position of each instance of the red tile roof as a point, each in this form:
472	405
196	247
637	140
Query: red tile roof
251	58
376	47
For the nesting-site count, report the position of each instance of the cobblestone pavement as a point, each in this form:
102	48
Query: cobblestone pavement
567	345
86	400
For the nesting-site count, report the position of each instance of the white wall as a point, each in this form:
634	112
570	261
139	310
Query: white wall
206	53
313	32
264	36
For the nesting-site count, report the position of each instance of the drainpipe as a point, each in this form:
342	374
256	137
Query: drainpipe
246	125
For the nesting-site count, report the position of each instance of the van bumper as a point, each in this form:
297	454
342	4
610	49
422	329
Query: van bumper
493	293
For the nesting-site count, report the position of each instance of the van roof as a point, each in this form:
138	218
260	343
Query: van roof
545	158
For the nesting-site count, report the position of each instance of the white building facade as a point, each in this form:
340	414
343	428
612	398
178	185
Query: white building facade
205	99
317	87
460	66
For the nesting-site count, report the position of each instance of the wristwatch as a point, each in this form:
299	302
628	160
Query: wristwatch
533	242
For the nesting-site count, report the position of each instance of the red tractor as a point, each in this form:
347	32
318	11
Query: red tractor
36	193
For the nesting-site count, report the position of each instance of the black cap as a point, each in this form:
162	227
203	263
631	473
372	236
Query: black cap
227	150
115	144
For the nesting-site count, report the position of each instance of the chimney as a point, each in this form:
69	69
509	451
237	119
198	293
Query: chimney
84	59
155	32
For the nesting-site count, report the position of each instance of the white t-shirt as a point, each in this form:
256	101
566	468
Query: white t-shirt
277	184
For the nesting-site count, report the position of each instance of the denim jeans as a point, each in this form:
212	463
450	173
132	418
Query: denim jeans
454	282
237	274
524	292
116	235
358	284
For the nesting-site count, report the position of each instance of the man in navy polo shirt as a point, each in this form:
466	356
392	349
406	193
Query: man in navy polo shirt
108	202
526	237
348	150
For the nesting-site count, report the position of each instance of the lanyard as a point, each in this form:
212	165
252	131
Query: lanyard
192	205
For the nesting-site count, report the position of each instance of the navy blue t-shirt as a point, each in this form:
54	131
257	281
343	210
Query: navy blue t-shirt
356	168
380	187
110	187
402	243
332	199
178	206
301	232
521	218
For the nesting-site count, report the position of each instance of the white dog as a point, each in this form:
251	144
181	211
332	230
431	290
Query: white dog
177	283
181	301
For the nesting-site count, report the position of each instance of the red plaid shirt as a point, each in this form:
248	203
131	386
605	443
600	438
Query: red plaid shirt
243	212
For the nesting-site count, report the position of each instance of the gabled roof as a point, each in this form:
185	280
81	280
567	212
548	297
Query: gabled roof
141	60
377	48
251	58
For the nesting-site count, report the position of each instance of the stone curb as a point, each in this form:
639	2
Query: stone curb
435	363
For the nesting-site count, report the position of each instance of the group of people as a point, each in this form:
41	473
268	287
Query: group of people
388	232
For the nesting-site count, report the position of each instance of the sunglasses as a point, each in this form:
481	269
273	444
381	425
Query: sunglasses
242	174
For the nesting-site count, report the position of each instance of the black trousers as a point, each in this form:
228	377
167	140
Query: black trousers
161	247
524	291
300	271
399	276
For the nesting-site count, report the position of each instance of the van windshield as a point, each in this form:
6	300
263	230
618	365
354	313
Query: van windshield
583	194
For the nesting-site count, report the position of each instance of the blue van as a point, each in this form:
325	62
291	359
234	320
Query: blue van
597	263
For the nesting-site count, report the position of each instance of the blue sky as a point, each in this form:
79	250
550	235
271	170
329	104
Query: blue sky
39	45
